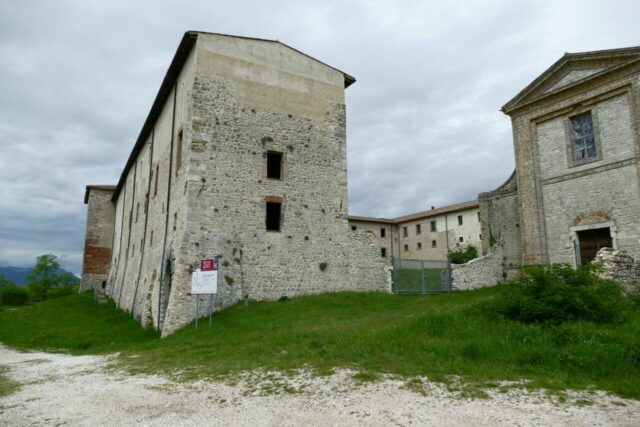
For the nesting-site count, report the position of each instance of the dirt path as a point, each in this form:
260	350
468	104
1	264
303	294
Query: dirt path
71	390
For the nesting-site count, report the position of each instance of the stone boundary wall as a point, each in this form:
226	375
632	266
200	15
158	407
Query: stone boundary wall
619	267
478	273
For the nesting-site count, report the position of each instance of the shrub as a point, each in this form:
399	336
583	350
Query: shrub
37	292
559	293
61	291
463	255
13	295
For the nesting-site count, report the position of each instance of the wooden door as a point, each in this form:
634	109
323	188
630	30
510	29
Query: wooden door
591	241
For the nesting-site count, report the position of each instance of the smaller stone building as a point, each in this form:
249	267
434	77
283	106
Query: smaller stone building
576	187
426	235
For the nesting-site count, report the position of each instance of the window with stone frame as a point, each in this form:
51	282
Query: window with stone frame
583	137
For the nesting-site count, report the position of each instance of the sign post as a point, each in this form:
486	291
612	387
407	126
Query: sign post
204	281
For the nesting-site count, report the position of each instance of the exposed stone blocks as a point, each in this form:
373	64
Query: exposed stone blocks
620	268
481	272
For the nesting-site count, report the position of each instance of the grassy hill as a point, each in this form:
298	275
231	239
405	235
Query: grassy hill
439	336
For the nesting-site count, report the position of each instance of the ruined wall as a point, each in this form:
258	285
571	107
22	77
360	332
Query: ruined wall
500	221
374	228
619	267
98	239
480	272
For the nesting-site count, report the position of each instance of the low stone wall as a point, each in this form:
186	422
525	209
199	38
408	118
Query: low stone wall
620	268
480	272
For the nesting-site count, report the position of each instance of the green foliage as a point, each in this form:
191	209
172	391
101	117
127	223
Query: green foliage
4	282
463	255
44	277
438	336
13	295
61	291
559	293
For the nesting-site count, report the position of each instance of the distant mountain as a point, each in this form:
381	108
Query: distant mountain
18	275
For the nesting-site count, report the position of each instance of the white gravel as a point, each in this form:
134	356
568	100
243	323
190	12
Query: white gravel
84	390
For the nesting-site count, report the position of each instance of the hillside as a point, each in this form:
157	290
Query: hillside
18	275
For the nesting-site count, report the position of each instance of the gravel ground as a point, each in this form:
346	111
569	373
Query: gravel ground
59	389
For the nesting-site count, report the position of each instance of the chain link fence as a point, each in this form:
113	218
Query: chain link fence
421	277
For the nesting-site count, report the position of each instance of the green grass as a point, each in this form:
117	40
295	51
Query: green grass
410	281
7	386
439	336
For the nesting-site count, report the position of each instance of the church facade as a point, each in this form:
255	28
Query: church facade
576	187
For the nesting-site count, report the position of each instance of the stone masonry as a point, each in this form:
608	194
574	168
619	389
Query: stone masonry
559	208
620	268
196	184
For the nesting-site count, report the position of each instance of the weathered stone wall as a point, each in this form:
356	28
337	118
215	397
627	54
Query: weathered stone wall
500	221
387	242
234	100
481	272
98	239
553	195
619	267
314	251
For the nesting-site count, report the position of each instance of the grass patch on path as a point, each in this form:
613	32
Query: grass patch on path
7	385
439	336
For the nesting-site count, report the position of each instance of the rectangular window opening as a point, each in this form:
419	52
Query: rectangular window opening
461	239
179	152
434	243
383	252
274	213
354	228
433	226
406	247
418	229
175	220
582	136
383	232
419	245
405	232
274	165
459	219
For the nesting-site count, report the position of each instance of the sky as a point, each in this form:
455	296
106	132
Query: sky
424	127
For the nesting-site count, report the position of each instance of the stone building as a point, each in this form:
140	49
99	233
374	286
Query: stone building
243	157
576	187
426	235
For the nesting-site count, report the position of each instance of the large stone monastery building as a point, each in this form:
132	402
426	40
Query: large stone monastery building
242	157
576	187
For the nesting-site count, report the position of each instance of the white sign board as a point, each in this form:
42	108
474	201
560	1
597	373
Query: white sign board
204	282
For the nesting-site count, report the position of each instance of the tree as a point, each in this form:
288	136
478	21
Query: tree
45	273
4	282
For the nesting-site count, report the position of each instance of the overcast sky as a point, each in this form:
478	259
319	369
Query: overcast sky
77	79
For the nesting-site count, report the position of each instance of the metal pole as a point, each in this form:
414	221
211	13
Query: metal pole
422	275
197	309
210	308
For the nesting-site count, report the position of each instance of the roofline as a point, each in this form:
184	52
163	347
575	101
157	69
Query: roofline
512	104
170	78
419	215
96	187
180	57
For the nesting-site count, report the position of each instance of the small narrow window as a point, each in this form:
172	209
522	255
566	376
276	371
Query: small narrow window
155	181
418	229
273	216
151	239
383	232
383	252
137	211
584	142
419	245
179	152
480	236
406	247
141	244
175	220
478	216
461	239
459	219
104	284
274	165
354	228
405	232
433	226
434	243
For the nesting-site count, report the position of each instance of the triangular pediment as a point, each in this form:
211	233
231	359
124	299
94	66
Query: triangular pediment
571	70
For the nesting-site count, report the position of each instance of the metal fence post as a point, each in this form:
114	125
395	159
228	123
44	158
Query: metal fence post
422	276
